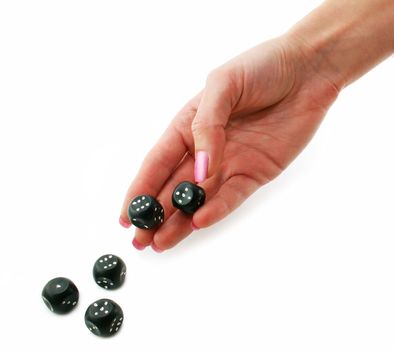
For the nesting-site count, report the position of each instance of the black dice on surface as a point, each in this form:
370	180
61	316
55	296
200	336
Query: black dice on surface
60	295
104	317
188	197
109	271
145	212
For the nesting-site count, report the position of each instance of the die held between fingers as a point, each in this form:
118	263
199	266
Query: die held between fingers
188	197
145	212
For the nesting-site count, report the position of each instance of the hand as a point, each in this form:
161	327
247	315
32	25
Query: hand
254	116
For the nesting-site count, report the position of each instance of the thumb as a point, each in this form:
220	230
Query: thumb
208	125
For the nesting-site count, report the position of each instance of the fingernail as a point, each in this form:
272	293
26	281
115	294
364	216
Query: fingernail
194	227
124	223
138	245
201	166
155	248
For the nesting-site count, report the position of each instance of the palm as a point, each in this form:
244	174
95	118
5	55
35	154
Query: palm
263	143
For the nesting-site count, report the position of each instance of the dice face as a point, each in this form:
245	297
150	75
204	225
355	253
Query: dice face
104	317
109	271
60	295
145	212
188	197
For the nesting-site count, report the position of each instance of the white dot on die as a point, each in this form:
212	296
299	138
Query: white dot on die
183	195
58	285
180	201
147	204
177	193
186	189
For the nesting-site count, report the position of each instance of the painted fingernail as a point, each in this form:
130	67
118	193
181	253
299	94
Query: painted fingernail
137	245
201	166
155	248
124	223
194	227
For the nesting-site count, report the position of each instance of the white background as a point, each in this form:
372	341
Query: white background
86	88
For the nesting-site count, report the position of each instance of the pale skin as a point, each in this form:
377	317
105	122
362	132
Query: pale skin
258	111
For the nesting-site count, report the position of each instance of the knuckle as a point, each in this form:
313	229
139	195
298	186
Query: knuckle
219	75
198	125
203	125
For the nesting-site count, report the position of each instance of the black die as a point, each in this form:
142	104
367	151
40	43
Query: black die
109	271
188	197
145	212
60	295
104	317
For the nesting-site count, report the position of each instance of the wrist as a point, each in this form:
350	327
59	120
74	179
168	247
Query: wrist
343	49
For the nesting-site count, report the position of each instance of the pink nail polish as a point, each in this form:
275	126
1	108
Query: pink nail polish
124	223
138	245
155	248
194	227
201	166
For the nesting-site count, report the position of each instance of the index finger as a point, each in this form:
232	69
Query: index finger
160	162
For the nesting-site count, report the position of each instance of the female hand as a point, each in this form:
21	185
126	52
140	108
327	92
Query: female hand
254	116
